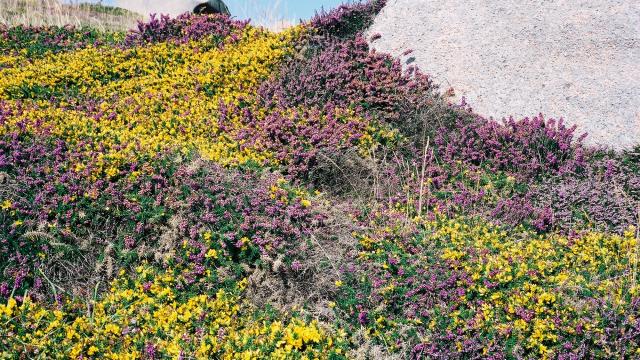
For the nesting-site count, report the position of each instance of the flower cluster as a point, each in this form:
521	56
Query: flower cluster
182	29
345	73
347	20
192	188
604	195
169	209
147	316
525	149
459	286
130	103
30	42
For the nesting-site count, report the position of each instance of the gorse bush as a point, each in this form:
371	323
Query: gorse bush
149	316
469	288
202	188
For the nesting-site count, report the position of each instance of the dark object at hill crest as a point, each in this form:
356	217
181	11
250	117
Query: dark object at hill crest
212	7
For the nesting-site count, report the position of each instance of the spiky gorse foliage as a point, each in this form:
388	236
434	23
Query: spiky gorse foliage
463	287
152	316
294	195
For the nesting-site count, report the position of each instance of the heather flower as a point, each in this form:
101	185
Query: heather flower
524	148
604	195
347	20
241	168
184	28
362	318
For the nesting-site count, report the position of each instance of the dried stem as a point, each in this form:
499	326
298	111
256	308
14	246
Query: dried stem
422	174
57	13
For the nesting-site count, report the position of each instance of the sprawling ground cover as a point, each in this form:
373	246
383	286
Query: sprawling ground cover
202	188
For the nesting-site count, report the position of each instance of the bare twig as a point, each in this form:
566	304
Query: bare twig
422	173
355	188
326	254
53	286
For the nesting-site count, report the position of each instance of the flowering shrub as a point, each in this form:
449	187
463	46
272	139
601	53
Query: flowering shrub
347	20
205	208
184	28
525	149
483	167
346	74
181	163
33	42
124	122
605	195
147	316
459	288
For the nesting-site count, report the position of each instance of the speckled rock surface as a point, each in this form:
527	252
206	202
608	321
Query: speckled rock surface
575	59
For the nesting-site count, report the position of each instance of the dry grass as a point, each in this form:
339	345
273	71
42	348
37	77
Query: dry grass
272	16
54	12
60	13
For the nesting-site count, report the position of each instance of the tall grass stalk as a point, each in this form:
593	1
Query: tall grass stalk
105	18
57	13
422	174
270	16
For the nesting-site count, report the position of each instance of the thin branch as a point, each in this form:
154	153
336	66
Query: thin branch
422	174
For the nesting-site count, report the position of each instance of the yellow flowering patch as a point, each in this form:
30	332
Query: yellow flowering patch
147	317
146	99
532	284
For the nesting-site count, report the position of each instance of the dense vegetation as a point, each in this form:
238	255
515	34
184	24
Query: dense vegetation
202	188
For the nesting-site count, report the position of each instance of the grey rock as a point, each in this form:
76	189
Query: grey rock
575	59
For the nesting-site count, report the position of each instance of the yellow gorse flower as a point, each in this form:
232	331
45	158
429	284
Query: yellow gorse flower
152	98
147	310
6	205
536	267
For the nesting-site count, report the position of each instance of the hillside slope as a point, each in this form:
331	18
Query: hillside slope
202	188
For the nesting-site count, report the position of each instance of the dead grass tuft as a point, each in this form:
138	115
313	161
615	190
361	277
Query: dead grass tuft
56	13
312	285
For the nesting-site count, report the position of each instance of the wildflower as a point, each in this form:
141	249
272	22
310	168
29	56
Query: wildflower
150	350
92	350
112	328
111	172
212	253
8	309
362	318
6	205
296	265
